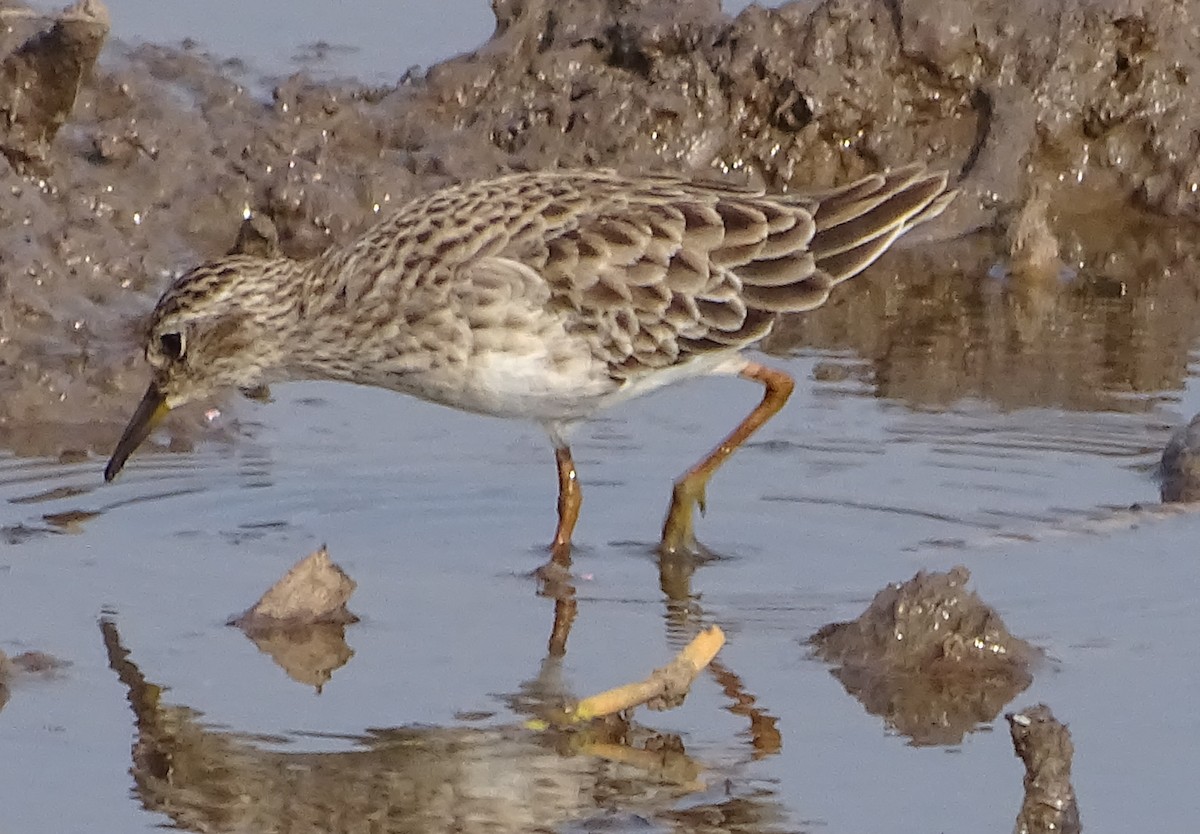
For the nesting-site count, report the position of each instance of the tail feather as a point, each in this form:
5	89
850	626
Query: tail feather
837	205
896	202
837	234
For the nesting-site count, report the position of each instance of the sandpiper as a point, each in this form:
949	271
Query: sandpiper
545	296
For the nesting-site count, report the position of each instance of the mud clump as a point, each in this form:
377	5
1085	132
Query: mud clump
1179	467
300	622
313	591
930	657
165	150
1044	745
40	79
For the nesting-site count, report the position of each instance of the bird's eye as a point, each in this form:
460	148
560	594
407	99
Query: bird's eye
171	345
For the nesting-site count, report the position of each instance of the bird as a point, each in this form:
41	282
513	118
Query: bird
545	296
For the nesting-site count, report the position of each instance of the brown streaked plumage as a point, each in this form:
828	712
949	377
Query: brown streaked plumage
546	296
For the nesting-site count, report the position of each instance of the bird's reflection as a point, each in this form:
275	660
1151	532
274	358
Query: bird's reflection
418	778
684	618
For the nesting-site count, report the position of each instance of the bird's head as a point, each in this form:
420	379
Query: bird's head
223	324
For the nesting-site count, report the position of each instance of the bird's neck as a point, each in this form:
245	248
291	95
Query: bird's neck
318	346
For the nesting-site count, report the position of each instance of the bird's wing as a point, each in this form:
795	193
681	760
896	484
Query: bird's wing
660	270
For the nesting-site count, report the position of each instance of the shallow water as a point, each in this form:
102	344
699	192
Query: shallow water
372	40
440	517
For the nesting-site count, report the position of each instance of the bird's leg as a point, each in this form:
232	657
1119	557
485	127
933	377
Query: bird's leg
565	608
555	574
677	534
569	500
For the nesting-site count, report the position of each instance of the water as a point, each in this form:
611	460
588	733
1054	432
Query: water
373	40
437	515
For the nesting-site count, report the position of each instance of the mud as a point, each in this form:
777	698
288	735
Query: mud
314	591
1179	468
1043	744
300	622
929	657
1086	106
39	81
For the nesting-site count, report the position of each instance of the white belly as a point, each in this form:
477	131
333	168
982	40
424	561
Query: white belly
532	387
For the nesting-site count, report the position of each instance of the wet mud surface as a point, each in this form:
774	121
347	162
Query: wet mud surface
1043	744
929	657
1086	107
993	401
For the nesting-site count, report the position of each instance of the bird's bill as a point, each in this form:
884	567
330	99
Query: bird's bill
149	413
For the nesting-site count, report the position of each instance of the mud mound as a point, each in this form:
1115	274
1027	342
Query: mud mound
930	657
153	166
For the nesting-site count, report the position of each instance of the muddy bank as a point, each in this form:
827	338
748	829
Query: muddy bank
1091	106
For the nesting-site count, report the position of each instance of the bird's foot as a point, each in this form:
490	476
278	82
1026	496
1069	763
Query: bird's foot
678	535
554	578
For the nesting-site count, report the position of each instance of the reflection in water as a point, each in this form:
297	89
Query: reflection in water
45	478
416	779
70	521
736	815
63	487
935	329
765	738
555	582
684	618
25	666
565	609
309	654
929	657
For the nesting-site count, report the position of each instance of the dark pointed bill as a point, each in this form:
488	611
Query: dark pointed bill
149	414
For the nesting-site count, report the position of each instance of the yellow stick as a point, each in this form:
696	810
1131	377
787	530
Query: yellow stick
670	682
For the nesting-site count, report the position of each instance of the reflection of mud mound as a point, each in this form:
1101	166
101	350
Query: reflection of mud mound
735	815
1044	745
25	665
1179	469
308	654
930	657
166	149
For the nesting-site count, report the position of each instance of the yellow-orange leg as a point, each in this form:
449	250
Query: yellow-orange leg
555	574
677	534
569	500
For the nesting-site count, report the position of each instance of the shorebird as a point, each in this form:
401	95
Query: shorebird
545	296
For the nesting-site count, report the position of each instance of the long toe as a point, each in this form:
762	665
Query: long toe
678	534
